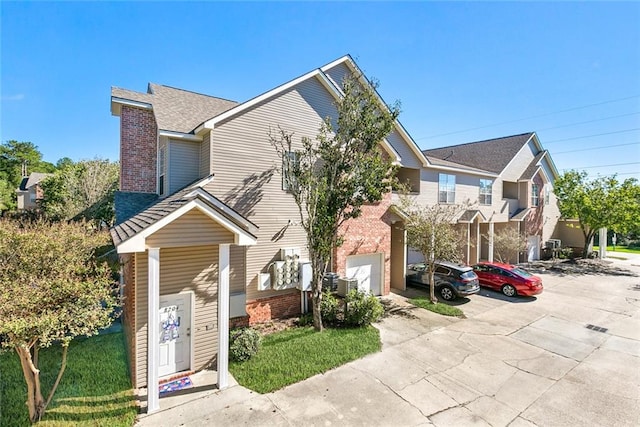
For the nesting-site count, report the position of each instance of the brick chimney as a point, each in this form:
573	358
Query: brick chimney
138	150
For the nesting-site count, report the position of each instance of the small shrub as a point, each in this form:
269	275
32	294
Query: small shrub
329	308
243	344
305	320
566	253
362	308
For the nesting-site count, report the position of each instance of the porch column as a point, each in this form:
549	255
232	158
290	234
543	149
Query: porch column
478	242
223	316
468	243
153	330
491	242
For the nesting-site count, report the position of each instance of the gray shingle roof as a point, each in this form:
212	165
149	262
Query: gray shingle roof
520	214
439	162
470	214
33	179
128	204
531	170
491	155
155	212
175	109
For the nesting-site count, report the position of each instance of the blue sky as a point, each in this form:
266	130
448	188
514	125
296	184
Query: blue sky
462	71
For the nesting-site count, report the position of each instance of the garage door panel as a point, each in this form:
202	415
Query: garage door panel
368	270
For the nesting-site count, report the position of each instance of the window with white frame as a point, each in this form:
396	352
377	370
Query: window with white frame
535	195
162	169
486	190
289	160
446	188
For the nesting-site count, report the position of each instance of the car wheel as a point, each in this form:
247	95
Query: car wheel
447	293
509	290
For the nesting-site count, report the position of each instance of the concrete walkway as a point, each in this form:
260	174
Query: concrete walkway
571	356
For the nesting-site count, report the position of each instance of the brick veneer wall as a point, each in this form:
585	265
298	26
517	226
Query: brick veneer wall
277	307
368	234
138	147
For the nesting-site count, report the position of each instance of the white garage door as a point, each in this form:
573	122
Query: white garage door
368	270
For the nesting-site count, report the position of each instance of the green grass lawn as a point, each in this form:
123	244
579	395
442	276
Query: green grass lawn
622	249
295	354
440	308
94	391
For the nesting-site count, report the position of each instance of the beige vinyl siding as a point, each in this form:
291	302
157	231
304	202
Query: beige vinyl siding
184	167
407	156
181	270
520	162
141	279
192	228
205	154
237	269
247	172
338	73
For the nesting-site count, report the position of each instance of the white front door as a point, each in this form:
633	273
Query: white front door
533	248
175	334
368	270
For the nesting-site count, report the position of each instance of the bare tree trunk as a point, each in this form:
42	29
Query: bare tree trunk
35	401
316	297
432	287
587	241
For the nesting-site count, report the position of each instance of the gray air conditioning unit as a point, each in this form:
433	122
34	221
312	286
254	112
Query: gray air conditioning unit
345	284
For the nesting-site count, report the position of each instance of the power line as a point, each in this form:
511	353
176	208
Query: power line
589	121
591	136
529	118
597	148
605	166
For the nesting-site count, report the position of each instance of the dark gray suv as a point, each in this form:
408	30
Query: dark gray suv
452	280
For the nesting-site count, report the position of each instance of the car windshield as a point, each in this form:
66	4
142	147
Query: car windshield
468	275
522	272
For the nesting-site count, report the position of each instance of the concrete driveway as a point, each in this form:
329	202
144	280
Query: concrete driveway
570	357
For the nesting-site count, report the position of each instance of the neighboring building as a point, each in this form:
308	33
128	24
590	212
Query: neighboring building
205	227
30	191
508	182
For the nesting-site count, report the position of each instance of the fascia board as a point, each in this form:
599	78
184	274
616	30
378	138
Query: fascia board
533	136
180	135
203	194
211	123
137	243
117	103
458	170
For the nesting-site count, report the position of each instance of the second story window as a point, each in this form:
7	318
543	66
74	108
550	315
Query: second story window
446	188
289	160
486	190
162	169
535	195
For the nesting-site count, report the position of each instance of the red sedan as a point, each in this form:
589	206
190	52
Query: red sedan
508	279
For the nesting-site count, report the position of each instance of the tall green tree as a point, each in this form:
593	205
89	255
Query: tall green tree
602	202
14	157
52	290
332	176
84	189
